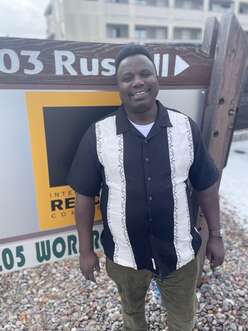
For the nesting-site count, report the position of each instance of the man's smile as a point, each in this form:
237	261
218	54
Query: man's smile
139	94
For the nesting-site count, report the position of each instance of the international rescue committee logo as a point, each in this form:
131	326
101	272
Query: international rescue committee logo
57	121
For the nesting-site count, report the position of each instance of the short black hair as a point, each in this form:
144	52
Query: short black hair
129	50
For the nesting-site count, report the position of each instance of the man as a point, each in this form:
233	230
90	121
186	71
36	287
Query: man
143	160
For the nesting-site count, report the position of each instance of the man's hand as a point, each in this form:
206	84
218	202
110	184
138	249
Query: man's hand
88	264
215	251
84	214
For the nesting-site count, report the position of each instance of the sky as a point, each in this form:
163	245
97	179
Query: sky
23	18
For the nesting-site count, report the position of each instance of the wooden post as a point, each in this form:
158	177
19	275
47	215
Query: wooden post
228	74
210	36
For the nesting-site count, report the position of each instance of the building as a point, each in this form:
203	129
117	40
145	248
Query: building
136	20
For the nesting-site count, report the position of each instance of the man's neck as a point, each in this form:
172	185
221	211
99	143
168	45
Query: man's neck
145	117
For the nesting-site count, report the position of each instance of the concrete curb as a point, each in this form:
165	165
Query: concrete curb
240	135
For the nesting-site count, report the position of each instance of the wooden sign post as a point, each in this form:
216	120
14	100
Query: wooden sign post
228	42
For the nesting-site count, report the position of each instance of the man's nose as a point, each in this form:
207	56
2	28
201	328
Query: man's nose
138	81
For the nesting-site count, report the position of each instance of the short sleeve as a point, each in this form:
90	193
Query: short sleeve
203	172
85	173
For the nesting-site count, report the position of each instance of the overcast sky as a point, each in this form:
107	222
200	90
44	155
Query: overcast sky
23	18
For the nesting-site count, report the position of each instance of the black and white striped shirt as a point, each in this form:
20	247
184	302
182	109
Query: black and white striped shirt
144	185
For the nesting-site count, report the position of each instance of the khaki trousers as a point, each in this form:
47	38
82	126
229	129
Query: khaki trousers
178	291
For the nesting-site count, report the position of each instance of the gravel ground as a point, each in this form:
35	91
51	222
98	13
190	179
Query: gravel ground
56	297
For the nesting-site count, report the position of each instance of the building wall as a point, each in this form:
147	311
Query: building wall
137	20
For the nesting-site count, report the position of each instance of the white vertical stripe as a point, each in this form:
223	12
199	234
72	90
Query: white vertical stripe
110	154
181	157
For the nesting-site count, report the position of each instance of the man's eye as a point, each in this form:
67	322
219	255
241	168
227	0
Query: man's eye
146	74
127	78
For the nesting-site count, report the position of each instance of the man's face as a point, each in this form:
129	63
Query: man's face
138	83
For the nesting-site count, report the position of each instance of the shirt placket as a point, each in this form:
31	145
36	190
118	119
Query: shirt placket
148	182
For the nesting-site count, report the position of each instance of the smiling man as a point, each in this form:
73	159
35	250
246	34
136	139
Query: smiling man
143	160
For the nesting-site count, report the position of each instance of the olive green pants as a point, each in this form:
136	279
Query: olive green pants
178	291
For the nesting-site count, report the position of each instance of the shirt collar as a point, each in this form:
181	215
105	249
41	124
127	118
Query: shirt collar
123	124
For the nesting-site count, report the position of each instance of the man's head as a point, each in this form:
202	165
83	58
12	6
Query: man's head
136	78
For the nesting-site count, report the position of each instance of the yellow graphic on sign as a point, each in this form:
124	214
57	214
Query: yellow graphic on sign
56	203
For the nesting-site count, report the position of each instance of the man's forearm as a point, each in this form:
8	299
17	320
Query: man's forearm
209	202
84	215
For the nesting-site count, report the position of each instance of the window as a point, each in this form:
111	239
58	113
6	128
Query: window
49	10
153	3
118	1
117	31
51	36
150	32
187	34
140	33
189	4
243	8
141	2
220	5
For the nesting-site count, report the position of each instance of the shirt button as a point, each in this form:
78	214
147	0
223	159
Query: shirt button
150	198
149	179
146	141
147	159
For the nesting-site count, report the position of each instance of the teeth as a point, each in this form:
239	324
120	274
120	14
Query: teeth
140	93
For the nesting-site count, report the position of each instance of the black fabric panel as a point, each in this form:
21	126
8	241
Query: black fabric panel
107	241
192	204
85	173
106	237
203	172
196	241
164	257
162	235
144	179
136	203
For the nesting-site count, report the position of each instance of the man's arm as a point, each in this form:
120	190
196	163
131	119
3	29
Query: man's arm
84	215
209	202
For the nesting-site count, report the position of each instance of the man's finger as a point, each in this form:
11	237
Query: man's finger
218	262
91	277
209	256
215	262
97	266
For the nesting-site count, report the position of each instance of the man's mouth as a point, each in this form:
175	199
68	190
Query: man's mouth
139	94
